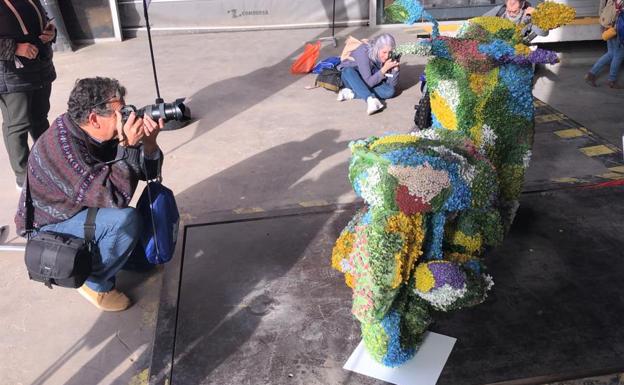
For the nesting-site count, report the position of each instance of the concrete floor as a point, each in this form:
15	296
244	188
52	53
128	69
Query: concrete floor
261	141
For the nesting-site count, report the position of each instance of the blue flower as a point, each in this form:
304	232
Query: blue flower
395	355
497	49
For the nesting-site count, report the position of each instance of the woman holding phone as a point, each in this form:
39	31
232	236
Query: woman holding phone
26	76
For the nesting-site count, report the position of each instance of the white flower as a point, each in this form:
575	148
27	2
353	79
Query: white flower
367	186
488	138
449	91
422	181
467	171
430	133
526	159
442	297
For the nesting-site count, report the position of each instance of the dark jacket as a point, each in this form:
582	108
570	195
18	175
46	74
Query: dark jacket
23	22
68	172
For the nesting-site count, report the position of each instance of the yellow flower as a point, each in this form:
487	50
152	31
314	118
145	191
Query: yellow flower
349	280
522	49
471	244
550	15
342	249
492	24
459	257
394	139
412	233
425	281
443	112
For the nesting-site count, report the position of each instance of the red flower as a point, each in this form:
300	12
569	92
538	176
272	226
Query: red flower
410	204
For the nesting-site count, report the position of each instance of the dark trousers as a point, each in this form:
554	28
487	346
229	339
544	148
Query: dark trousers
23	113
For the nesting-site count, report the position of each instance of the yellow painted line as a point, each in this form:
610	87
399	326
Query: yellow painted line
566	180
619	169
585	130
585	21
571	133
611	175
538	103
249	210
596	150
315	203
548	118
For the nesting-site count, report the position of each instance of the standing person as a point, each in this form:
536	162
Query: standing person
370	73
615	51
26	76
89	158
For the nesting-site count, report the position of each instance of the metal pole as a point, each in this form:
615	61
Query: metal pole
149	38
63	42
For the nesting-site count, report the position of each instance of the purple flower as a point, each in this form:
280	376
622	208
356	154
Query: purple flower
447	273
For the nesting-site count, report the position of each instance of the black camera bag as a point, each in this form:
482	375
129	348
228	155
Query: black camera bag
330	79
58	259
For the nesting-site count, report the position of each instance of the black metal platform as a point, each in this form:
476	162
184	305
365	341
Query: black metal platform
259	303
255	300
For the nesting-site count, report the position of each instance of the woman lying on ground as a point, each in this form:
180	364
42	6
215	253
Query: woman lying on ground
370	74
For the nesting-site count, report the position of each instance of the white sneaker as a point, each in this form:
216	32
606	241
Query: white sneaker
373	105
345	94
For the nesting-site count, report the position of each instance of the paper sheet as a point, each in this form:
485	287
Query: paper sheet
423	369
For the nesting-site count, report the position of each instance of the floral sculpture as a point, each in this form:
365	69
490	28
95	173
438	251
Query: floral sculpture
437	198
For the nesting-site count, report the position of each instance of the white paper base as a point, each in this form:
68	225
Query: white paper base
423	369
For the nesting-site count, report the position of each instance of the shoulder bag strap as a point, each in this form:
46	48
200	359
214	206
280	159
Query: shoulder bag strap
89	227
28	208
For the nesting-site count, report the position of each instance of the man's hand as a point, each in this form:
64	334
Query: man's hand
48	33
27	50
388	65
151	129
130	133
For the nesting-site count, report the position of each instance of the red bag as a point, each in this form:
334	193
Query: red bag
308	58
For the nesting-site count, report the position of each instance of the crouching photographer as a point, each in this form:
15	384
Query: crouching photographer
92	158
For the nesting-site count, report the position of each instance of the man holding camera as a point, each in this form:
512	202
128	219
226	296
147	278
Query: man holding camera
90	157
371	72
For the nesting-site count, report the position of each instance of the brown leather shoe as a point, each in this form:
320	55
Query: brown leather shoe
113	300
590	79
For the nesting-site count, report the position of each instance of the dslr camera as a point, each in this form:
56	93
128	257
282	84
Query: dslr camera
176	111
394	56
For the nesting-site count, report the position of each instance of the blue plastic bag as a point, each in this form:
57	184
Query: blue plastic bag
330	62
161	220
619	27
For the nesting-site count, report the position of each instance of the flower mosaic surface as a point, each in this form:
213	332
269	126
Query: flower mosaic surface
437	198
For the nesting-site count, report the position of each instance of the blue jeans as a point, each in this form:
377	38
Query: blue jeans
352	79
614	56
116	234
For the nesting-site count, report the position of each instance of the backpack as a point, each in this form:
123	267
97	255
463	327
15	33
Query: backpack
608	14
330	79
351	45
422	116
161	220
619	27
330	62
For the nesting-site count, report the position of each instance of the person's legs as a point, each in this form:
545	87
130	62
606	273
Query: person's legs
40	106
116	234
15	125
352	79
604	59
384	91
616	61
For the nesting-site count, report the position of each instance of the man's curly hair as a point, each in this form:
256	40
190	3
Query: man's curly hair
93	94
